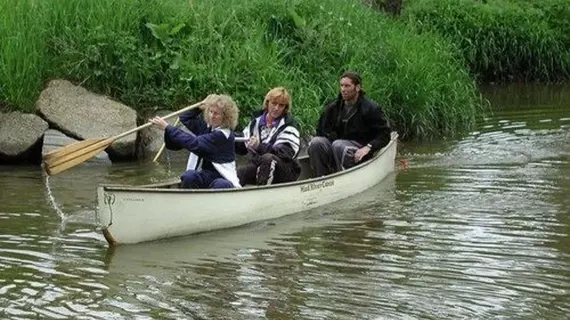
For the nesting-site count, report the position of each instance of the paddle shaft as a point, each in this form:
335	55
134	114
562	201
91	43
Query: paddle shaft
163	144
74	154
237	139
148	124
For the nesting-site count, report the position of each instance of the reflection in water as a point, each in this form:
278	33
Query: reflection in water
476	228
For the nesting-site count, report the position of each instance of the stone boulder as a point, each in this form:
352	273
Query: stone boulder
151	139
21	138
54	140
81	114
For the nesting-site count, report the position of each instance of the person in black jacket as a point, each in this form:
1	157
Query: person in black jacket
273	143
350	129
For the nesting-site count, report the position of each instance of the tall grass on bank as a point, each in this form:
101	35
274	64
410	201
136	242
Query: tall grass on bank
502	40
22	53
168	53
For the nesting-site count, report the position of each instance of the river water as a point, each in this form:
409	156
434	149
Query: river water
472	228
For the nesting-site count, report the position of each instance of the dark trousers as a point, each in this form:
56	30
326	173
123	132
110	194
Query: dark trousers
329	157
204	179
268	169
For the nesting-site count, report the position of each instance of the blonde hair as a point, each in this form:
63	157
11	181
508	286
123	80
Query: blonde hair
278	95
228	107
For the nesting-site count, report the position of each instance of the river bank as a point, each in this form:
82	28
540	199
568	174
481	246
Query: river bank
160	55
502	41
168	54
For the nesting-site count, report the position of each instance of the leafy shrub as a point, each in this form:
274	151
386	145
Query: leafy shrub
171	53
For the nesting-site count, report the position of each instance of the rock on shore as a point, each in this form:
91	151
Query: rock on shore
21	137
81	114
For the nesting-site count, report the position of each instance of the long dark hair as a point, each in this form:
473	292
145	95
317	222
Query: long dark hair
353	76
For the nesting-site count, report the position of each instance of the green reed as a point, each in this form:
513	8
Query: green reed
22	53
502	40
151	53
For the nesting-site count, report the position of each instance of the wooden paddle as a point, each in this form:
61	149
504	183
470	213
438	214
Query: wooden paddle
163	145
155	160
78	152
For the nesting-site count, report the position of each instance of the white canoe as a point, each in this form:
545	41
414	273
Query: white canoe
133	214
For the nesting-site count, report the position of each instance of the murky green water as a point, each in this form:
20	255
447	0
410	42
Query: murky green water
475	228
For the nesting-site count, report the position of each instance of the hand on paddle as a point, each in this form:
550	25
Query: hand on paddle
159	122
78	152
361	153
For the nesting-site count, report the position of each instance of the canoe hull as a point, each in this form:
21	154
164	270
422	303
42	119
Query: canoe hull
134	214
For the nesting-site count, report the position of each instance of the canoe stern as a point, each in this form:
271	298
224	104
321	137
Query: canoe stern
104	213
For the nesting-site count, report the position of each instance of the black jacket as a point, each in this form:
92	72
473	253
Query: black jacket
286	151
367	123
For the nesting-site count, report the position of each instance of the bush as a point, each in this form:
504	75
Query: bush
502	40
171	53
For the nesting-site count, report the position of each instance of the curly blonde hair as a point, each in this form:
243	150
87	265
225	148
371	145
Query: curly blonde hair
278	95
228	107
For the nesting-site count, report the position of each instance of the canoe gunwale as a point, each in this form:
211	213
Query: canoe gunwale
150	188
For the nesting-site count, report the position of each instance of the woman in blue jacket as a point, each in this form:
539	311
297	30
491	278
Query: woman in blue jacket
211	143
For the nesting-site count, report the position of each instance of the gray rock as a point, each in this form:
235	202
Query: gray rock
54	140
82	114
151	139
20	137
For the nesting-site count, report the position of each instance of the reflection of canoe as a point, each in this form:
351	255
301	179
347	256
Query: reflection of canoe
164	256
132	214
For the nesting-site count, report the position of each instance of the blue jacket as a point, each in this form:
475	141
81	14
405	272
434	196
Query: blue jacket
211	149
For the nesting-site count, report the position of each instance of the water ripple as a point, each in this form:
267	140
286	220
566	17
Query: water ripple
474	228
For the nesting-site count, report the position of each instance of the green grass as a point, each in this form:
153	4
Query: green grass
22	53
170	53
502	40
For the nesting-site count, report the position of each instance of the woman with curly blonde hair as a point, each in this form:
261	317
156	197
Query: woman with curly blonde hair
211	143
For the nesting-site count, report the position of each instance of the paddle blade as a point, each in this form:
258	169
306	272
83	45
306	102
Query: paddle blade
71	159
68	149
